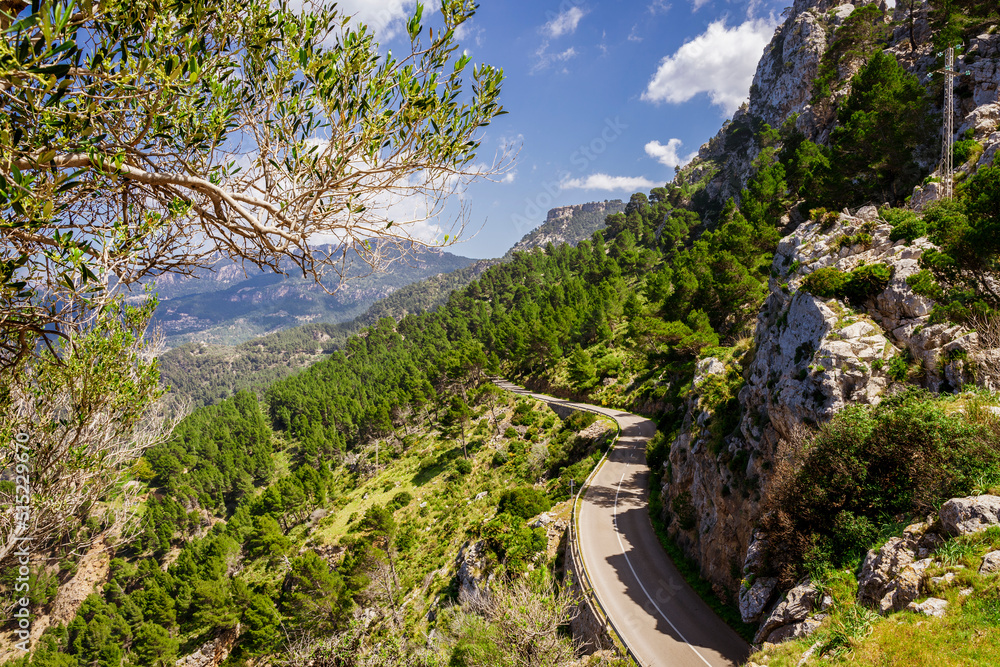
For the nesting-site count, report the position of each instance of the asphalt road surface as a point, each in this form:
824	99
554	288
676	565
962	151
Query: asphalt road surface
660	617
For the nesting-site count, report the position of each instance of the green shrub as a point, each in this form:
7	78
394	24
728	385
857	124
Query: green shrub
525	502
825	283
901	458
852	535
463	466
923	283
684	510
965	150
400	500
898	368
866	281
856	286
907	226
579	421
513	541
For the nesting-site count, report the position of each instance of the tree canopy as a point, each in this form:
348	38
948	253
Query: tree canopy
138	138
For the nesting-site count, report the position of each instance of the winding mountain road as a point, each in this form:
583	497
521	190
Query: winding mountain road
660	618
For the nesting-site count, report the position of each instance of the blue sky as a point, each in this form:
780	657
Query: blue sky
604	97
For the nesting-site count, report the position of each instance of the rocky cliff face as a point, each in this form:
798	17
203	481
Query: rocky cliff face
811	357
568	224
783	86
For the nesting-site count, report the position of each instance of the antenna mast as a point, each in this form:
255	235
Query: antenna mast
947	142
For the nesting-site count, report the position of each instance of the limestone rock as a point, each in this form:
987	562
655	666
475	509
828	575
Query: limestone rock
945	580
930	607
904	588
706	368
755	598
213	652
881	567
471	564
991	563
802	628
796	606
964	516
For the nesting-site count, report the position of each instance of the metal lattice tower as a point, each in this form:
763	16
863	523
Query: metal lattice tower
947	141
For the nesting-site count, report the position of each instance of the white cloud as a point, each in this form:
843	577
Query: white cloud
386	17
606	182
721	62
564	23
698	4
659	7
546	59
667	155
633	36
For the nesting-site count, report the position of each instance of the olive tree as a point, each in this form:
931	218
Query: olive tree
72	422
142	137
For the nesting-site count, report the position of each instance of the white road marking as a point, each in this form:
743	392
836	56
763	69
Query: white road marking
634	574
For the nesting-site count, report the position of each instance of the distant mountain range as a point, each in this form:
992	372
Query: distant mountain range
230	331
225	305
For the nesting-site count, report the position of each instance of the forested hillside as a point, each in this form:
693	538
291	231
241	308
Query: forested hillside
207	372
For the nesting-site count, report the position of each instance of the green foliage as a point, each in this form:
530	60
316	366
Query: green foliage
512	541
902	457
524	502
882	125
855	286
216	454
963	151
857	39
192	96
826	282
905	224
959	275
898	368
684	510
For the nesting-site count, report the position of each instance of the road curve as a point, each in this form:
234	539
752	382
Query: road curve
659	616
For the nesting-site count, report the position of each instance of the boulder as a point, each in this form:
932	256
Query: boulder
796	606
756	597
904	588
964	516
881	567
930	607
802	628
991	563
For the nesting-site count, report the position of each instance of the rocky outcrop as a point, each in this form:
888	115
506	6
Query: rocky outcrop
964	516
212	653
991	563
790	618
929	607
892	577
566	224
471	568
812	356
